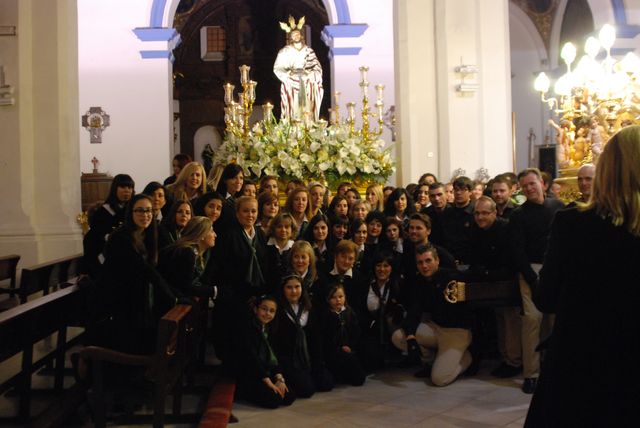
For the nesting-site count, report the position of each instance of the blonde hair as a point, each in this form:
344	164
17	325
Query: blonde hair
282	218
305	247
616	187
178	189
377	189
194	231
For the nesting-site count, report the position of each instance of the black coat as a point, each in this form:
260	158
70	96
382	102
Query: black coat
590	374
178	267
287	341
339	330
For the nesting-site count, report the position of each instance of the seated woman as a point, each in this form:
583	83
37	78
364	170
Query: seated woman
130	288
209	205
171	226
268	208
105	220
158	195
297	342
317	234
279	244
183	264
341	337
384	311
258	374
190	183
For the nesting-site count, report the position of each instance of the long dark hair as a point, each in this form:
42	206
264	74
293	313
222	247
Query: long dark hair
170	220
120	180
305	300
389	207
229	171
147	243
308	232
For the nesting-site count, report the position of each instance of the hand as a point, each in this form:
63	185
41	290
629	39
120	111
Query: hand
282	388
271	386
346	349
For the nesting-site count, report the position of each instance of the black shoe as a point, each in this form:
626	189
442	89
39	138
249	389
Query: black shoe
233	419
424	372
504	370
529	385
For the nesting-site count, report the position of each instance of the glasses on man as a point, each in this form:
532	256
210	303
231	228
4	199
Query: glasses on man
142	211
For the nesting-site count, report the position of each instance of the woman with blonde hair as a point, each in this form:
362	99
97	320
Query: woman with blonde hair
302	262
589	280
375	197
184	263
190	183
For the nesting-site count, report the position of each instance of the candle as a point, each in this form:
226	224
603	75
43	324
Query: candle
336	97
379	105
379	89
244	74
351	111
228	93
252	90
365	89
267	108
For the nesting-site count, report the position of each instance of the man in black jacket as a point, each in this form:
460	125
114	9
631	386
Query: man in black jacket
529	227
447	328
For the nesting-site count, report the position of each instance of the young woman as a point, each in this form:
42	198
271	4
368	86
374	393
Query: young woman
268	208
170	227
375	197
179	162
339	230
131	290
352	196
421	196
339	206
302	262
384	311
259	377
359	237
190	183
183	263
298	206
229	187
341	336
376	223
317	198
103	221
297	342
478	189
158	195
343	187
249	188
399	205
393	235
359	210
317	234
269	183
209	205
281	230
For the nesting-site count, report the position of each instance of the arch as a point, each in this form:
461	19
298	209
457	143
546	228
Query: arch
517	14
204	135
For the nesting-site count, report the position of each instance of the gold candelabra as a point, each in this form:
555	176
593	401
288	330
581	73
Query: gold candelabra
237	113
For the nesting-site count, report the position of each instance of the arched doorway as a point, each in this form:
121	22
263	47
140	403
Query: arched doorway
246	32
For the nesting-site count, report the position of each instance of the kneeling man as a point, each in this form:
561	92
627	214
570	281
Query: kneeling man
434	323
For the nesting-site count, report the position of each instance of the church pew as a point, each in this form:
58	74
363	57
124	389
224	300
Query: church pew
47	276
23	326
175	349
8	268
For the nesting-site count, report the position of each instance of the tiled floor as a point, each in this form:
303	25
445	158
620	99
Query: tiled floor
395	398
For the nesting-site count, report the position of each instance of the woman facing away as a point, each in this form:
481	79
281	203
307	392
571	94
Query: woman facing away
589	280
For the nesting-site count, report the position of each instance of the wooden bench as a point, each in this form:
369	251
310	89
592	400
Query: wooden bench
175	350
23	326
48	276
8	268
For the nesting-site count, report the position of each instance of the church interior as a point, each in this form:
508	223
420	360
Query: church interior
91	89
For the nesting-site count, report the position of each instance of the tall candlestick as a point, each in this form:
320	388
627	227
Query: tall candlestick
363	73
351	111
252	90
267	108
336	97
244	74
365	89
379	106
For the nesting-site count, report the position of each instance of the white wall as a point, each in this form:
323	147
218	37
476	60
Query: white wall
135	92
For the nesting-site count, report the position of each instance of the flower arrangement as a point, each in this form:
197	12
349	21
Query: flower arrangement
312	151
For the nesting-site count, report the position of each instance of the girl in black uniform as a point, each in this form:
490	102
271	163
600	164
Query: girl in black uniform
258	375
317	235
341	339
171	226
279	244
297	340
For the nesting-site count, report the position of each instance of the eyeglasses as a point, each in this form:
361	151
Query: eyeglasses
143	210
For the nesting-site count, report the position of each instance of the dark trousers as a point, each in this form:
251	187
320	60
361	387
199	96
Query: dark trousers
256	392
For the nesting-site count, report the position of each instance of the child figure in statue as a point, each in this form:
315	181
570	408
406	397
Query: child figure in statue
299	70
564	142
598	137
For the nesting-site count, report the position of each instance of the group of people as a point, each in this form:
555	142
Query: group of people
328	289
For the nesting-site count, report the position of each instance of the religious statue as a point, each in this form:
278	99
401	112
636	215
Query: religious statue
597	136
299	70
564	142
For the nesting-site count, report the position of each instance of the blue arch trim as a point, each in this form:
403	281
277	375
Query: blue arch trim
342	10
157	13
619	13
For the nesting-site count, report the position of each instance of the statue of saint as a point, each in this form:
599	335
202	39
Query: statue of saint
299	70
